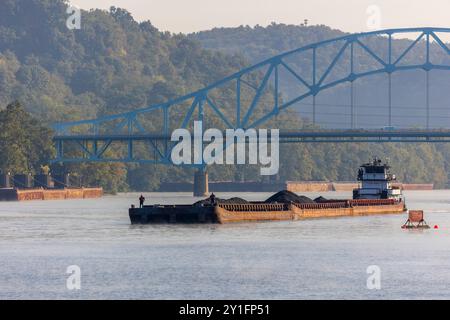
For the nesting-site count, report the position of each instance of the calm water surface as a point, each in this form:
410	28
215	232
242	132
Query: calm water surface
324	258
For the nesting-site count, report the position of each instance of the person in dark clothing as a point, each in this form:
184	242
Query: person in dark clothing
141	201
212	199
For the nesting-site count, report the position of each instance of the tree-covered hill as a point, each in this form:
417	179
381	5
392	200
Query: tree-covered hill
112	64
115	64
259	43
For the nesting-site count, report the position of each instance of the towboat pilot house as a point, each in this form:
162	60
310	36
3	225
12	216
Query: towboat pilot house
375	182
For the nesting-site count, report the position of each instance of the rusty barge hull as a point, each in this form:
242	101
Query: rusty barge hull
231	213
12	194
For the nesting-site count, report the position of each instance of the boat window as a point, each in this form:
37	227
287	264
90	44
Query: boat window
374	169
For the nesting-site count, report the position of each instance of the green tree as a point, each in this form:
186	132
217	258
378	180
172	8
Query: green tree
25	145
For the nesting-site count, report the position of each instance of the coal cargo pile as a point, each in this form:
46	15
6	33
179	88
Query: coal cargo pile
287	197
320	199
234	200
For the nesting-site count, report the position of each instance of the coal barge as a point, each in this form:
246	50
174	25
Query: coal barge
375	195
43	187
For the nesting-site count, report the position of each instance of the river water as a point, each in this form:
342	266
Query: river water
313	259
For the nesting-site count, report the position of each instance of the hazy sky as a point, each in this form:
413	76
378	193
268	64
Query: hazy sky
348	15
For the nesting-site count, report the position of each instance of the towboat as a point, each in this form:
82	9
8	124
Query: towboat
375	195
375	181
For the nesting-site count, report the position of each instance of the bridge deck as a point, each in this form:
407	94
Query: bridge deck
297	136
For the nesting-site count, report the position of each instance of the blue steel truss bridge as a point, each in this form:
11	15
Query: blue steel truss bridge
331	63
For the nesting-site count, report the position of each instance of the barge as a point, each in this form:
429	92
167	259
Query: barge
15	194
259	211
375	195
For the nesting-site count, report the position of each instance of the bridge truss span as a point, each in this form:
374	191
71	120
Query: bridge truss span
222	104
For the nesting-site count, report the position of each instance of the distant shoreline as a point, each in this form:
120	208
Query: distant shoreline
294	186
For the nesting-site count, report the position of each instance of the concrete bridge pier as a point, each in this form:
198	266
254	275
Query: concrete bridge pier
201	184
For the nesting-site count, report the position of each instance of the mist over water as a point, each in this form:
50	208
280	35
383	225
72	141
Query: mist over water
311	259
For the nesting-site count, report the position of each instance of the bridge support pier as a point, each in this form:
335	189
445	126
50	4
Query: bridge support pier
201	183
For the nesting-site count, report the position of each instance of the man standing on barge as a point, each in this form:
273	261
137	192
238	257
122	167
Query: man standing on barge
141	201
